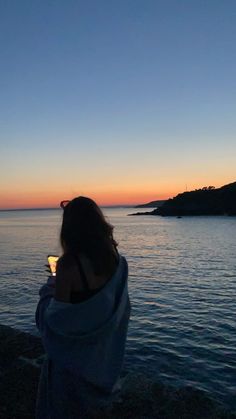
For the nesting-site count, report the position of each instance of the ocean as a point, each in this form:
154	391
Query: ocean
182	286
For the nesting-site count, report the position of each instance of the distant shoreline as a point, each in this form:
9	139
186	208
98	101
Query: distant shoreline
58	208
27	209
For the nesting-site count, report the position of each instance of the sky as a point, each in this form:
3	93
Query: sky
122	101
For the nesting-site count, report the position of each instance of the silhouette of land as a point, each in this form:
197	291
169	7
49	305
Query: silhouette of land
152	204
206	201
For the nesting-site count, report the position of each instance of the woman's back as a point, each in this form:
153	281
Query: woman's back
78	274
86	282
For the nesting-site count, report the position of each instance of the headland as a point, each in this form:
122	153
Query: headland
205	201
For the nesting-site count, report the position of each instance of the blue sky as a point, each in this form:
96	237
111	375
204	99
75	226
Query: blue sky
101	97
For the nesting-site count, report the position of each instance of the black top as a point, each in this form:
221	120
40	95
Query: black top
86	293
78	297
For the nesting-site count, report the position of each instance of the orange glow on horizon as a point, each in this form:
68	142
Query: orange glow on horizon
128	195
48	199
101	199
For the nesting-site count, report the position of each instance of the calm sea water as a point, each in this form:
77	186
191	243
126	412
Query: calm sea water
182	286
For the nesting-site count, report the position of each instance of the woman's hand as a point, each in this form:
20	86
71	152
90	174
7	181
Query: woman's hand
66	273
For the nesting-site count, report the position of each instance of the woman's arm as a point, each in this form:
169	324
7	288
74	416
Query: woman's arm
66	275
46	293
58	287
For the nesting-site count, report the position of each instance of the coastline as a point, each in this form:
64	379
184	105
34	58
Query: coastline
199	202
21	356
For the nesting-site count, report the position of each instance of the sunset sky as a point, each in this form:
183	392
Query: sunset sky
122	101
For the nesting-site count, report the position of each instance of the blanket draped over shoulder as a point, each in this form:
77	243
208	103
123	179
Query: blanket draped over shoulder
85	345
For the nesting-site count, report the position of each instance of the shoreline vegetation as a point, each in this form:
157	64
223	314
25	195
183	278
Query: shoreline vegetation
21	356
205	201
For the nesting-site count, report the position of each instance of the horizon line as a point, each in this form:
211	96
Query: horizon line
58	208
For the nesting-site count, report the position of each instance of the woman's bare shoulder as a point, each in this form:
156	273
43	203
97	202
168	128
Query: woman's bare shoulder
67	278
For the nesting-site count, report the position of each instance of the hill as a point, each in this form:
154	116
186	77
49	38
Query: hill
206	201
152	204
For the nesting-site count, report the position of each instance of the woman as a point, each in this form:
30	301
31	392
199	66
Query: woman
83	317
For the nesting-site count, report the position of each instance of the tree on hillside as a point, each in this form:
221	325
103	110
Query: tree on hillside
208	188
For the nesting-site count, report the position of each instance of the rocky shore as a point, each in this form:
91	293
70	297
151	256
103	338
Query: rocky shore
21	356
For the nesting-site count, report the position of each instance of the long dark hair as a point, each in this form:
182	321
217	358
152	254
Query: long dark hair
85	230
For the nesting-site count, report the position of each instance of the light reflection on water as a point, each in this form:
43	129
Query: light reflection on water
182	286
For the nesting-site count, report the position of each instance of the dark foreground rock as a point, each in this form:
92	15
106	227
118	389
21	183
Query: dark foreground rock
21	356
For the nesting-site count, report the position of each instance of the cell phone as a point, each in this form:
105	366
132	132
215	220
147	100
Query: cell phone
52	261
